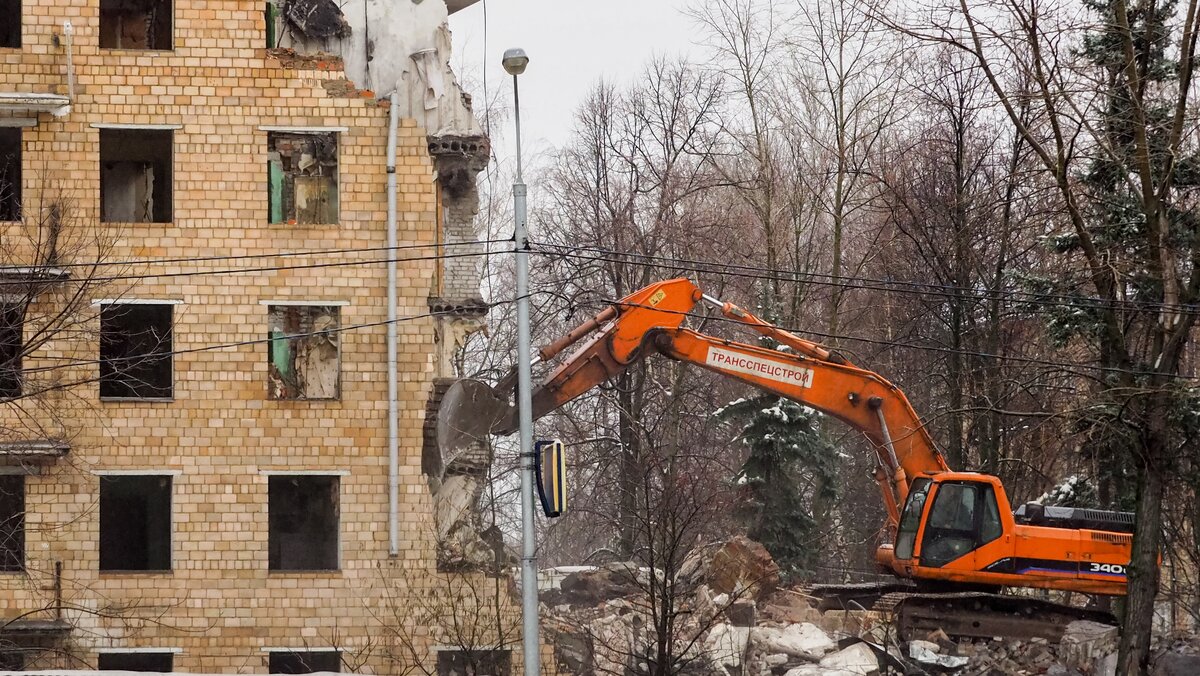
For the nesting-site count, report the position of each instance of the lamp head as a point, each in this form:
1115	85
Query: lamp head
515	61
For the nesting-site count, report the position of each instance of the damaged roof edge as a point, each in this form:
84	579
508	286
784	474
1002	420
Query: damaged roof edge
453	6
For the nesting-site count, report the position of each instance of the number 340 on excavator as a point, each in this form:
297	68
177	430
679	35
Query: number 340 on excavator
955	540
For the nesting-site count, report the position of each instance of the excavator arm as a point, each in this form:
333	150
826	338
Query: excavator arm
651	321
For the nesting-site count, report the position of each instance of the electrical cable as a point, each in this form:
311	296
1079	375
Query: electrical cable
886	343
867	283
29	273
223	346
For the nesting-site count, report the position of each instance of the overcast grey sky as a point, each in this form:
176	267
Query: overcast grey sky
571	44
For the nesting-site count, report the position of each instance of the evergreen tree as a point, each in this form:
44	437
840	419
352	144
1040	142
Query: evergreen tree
1117	226
790	465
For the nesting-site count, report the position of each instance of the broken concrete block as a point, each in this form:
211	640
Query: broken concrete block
856	659
739	567
805	640
923	645
1084	644
919	651
726	644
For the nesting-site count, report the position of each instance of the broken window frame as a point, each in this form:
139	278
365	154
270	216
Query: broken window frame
104	28
162	199
12	349
113	374
310	661
124	525
12	523
281	207
166	657
299	338
13	39
11	186
284	520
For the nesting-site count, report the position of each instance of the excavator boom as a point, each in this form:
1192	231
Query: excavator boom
947	527
650	321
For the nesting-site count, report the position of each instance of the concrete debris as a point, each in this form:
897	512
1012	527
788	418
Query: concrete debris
805	641
926	653
599	620
726	644
595	586
317	19
1177	664
855	659
739	567
924	645
1085	645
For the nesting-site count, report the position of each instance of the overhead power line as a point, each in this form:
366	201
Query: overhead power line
931	348
238	257
222	346
856	282
29	279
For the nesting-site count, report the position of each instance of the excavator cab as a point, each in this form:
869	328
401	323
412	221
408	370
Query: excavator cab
959	527
962	516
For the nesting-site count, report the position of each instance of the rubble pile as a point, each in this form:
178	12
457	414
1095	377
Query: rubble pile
731	618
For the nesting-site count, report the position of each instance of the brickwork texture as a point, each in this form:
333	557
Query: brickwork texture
220	436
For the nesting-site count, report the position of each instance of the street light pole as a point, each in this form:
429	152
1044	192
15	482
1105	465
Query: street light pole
515	62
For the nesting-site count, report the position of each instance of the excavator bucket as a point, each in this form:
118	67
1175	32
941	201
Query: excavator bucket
468	412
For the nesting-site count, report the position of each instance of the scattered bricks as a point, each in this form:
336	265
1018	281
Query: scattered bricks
290	59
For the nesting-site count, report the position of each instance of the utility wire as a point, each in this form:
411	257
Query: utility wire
853	282
34	280
226	346
238	257
932	348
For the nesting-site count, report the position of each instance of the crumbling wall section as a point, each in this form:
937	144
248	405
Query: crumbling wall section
386	46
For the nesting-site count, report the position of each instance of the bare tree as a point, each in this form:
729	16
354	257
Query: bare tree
1113	96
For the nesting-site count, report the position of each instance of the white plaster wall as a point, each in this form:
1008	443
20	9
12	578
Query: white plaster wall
408	42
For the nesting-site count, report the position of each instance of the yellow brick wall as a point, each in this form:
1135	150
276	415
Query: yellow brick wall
220	606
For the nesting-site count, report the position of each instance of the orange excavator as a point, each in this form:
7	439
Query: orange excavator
953	537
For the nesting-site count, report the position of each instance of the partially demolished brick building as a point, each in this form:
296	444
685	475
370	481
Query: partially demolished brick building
195	466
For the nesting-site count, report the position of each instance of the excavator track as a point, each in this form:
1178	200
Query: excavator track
860	596
982	615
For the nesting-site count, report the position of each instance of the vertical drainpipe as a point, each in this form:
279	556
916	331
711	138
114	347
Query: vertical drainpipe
68	37
393	386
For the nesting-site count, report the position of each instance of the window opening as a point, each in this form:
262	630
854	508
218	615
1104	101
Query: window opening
910	520
10	169
303	515
474	663
303	355
135	523
12	659
135	351
10	28
135	24
12	345
135	175
302	177
162	662
304	661
12	523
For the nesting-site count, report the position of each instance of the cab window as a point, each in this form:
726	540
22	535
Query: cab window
910	519
964	517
